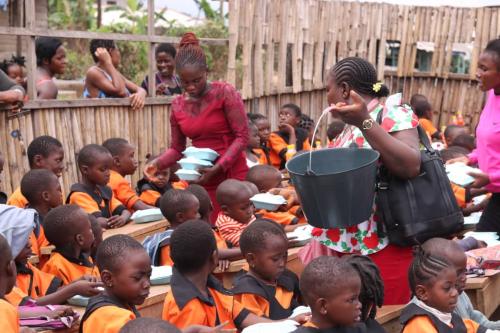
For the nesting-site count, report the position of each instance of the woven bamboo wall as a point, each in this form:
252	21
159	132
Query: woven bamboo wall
148	130
287	46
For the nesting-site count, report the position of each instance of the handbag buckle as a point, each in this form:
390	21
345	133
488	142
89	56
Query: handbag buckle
382	185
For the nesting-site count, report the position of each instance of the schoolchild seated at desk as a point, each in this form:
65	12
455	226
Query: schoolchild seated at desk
93	195
151	190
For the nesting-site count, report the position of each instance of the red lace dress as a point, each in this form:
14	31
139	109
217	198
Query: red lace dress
216	120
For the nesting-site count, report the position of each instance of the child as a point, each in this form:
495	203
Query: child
307	124
104	80
253	152
197	297
465	141
97	232
268	289
125	270
50	60
8	313
92	195
150	191
289	139
3	196
44	152
68	229
433	282
178	206
372	290
331	288
237	211
42	190
167	83
124	164
264	131
452	132
453	253
14	69
150	325
423	110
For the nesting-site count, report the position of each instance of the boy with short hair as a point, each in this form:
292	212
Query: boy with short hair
237	211
44	152
125	270
68	229
451	132
42	190
92	195
178	206
8	313
124	164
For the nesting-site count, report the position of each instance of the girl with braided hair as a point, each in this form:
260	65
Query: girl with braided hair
354	93
212	115
433	281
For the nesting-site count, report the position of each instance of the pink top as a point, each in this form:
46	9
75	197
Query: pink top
487	153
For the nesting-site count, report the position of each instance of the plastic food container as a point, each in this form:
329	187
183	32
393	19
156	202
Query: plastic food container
267	201
192	163
301	236
161	275
206	154
147	215
188	174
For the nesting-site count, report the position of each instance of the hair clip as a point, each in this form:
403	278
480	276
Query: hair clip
377	86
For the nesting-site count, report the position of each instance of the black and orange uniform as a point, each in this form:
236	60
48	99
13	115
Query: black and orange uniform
34	282
272	301
18	297
99	201
17	199
262	155
8	317
462	195
416	320
68	268
185	305
122	190
149	193
38	240
278	146
283	218
106	314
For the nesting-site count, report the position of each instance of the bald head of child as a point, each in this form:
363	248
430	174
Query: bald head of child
179	206
331	287
233	197
150	325
265	177
451	252
193	248
7	268
42	189
95	162
124	161
68	228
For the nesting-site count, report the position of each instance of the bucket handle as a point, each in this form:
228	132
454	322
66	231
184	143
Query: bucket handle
323	113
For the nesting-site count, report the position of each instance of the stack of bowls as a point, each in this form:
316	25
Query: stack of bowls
195	159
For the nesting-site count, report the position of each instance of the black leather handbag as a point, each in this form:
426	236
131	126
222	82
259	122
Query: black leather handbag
415	210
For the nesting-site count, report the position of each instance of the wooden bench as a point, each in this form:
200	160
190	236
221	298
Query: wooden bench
388	317
484	292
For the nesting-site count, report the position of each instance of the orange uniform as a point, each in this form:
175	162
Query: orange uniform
180	185
106	314
69	269
17	199
122	190
283	218
272	301
17	297
150	193
278	148
427	125
8	317
461	194
36	283
262	155
98	201
185	305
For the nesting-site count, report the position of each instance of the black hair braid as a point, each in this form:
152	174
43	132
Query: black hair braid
424	267
372	285
360	75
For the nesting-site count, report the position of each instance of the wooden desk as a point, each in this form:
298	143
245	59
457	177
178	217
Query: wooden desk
388	317
138	231
484	292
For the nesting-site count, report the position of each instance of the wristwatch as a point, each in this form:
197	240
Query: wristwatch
367	124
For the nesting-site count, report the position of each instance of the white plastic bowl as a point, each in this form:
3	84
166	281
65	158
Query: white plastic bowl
206	154
147	215
192	163
267	201
160	275
188	174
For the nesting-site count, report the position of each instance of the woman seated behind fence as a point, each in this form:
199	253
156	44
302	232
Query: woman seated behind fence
105	81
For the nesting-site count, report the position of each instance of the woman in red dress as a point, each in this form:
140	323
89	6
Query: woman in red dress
212	115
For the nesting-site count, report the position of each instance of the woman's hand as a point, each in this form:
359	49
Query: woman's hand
160	89
207	174
138	99
353	113
481	179
290	196
103	55
151	169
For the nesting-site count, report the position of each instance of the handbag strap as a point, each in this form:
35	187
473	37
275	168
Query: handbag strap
423	138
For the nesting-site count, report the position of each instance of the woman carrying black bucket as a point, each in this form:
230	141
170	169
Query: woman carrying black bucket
354	92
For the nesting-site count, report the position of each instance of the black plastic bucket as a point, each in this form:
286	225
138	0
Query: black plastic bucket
339	191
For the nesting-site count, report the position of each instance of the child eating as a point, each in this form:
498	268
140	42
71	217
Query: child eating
268	289
237	211
92	195
124	164
68	229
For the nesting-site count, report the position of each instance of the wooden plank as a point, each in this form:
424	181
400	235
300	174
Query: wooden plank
139	231
234	7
